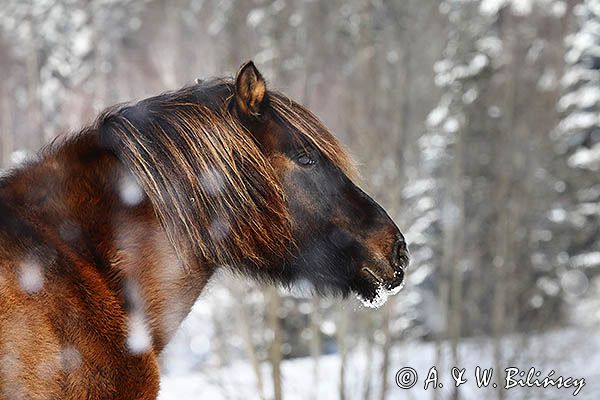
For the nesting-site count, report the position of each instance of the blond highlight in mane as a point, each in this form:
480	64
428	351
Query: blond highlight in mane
214	191
304	122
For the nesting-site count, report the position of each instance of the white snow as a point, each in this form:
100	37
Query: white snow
494	111
586	158
581	42
470	95
585	97
589	194
70	358
577	74
139	339
557	215
295	19
491	7
437	115
31	277
569	352
518	7
522	7
329	328
586	260
219	229
19	157
381	297
548	81
130	191
423	222
579	120
451	125
418	187
490	45
548	286
212	181
574	282
536	301
255	17
82	42
558	9
392	56
448	73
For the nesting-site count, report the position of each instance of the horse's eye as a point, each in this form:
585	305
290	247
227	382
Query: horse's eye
305	159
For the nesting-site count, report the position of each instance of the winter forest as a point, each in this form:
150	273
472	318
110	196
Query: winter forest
475	123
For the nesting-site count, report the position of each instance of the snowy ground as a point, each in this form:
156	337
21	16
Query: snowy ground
569	352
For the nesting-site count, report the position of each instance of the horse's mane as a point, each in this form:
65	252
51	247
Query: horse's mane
213	190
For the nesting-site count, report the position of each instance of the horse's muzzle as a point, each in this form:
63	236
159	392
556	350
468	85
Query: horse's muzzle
399	260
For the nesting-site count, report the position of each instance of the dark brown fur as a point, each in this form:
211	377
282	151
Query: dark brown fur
89	259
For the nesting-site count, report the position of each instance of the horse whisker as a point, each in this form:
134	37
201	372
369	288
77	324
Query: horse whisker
377	278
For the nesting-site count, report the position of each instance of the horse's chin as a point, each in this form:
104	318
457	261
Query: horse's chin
375	295
371	294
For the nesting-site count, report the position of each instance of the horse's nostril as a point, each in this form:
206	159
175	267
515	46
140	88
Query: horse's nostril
400	255
398	280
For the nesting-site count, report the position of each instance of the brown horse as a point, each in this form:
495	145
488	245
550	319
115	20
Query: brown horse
109	237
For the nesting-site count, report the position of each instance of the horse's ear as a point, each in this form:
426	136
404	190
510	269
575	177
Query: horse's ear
250	90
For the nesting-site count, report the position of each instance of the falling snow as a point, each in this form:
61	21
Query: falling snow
31	277
219	229
77	44
130	191
212	181
70	359
586	260
139	339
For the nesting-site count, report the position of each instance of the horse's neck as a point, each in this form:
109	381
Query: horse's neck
158	290
85	203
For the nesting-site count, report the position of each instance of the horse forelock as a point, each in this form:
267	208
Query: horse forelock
213	190
304	123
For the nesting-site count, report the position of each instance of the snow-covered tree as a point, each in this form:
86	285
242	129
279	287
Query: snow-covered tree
579	129
486	167
578	139
62	44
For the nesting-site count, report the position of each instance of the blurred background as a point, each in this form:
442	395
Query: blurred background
475	123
